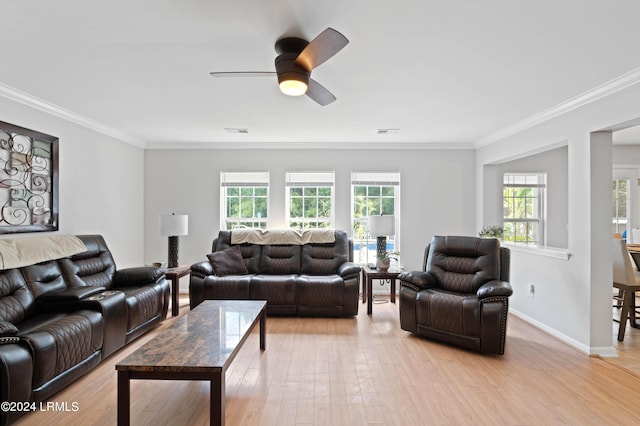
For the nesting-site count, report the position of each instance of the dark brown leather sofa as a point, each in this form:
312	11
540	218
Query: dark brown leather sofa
462	295
59	319
307	280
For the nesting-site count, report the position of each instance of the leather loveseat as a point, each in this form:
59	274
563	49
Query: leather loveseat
311	279
60	318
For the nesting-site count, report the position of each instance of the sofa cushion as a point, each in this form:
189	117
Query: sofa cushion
43	278
228	262
320	290
325	259
94	267
229	287
59	342
143	304
16	300
280	259
448	312
464	264
275	289
250	252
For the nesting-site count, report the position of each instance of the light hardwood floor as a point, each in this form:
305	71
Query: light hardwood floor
366	371
629	349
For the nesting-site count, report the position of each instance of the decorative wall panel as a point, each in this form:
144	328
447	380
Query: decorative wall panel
28	180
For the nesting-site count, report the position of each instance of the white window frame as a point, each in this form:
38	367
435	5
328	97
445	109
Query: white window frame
243	181
306	181
364	244
536	181
630	172
621	223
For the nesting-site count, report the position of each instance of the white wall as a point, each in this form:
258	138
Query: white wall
554	164
572	298
101	182
626	154
437	194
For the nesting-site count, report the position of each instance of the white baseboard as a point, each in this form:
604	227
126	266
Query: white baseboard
603	351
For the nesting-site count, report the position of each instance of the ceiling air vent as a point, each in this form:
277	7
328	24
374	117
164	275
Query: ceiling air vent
388	131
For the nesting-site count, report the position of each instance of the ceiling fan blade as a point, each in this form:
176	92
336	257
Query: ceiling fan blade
323	47
242	74
319	93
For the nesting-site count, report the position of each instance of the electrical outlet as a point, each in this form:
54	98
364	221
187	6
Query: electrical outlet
532	290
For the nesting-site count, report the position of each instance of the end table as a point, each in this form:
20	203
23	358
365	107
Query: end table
174	275
371	274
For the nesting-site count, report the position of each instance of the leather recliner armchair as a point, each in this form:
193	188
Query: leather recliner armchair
462	294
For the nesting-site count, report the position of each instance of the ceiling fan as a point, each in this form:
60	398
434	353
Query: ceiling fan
295	61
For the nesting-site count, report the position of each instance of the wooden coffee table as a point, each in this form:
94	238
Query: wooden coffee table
199	346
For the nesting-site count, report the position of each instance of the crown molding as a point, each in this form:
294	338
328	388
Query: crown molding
24	98
394	146
610	87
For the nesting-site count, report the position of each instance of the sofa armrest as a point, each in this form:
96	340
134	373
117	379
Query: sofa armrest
71	294
204	268
16	375
140	275
494	289
348	269
418	279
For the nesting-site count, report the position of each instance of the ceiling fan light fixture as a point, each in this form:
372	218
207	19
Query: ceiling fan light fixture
293	87
294	63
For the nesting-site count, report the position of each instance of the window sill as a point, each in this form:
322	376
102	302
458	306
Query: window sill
558	253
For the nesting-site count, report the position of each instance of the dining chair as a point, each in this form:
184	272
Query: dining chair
627	280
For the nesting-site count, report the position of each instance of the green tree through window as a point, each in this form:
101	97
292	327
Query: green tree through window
523	208
245	199
310	200
371	200
372	194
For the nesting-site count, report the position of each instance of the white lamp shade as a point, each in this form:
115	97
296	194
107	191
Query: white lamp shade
174	224
382	226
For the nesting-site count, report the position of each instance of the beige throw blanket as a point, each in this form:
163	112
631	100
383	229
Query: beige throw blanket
282	236
19	252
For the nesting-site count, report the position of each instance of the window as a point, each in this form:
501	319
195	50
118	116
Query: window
621	202
310	200
244	199
373	194
523	205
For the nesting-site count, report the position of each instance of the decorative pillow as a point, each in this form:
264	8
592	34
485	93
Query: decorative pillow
228	262
7	329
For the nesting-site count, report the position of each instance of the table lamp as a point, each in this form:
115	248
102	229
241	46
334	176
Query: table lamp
174	225
381	227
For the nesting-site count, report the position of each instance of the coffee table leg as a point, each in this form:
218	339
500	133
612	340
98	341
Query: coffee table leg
124	398
175	308
216	405
263	329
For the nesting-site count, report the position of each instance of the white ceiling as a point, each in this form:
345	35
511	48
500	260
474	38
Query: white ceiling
443	72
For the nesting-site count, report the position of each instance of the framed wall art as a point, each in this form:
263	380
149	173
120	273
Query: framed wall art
28	180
